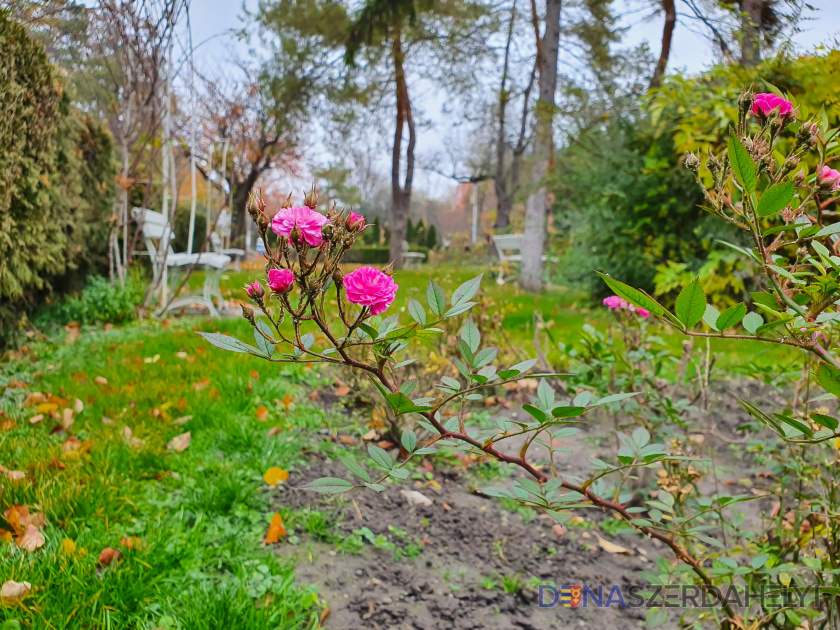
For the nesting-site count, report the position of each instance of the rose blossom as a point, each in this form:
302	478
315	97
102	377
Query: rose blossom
828	178
767	102
368	286
615	302
280	280
355	221
255	289
306	219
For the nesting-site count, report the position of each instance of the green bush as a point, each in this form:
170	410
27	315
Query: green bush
56	183
98	303
368	255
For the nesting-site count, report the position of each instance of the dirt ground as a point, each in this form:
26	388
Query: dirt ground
468	539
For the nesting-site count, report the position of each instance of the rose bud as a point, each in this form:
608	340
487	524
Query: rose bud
255	290
828	178
280	280
355	222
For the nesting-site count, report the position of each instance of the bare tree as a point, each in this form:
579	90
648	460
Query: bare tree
670	10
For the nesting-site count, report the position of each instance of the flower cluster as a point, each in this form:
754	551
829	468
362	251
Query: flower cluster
619	304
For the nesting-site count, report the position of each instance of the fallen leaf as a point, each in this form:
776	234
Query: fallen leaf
12	592
131	440
262	413
489	401
132	542
36	419
67	418
385	444
275	475
68	547
255	375
13	475
313	395
31	539
369	436
347	439
416	498
275	530
107	420
17	385
181	354
342	391
201	384
109	556
179	442
559	530
7	425
35	398
182	420
275	431
609	547
100	380
287	401
71	444
47	407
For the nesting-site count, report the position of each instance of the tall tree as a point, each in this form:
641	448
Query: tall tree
751	27
670	10
533	244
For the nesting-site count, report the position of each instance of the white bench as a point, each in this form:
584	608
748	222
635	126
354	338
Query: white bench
411	259
509	249
157	235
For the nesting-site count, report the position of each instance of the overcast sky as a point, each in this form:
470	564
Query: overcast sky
214	21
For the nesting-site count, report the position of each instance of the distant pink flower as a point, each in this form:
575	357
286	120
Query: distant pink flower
355	221
280	280
306	219
255	289
368	286
642	312
614	302
767	102
828	178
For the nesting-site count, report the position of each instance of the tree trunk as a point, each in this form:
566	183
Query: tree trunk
667	35
533	244
751	32
401	194
504	188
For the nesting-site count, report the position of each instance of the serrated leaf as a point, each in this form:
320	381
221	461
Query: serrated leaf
634	296
751	322
231	344
775	199
380	456
742	165
825	421
485	356
354	467
691	305
731	316
417	312
435	298
466	291
329	485
471	336
461	308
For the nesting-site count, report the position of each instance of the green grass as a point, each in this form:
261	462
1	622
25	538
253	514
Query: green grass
201	514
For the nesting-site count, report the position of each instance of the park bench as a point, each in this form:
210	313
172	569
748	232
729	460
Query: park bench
157	235
411	259
509	249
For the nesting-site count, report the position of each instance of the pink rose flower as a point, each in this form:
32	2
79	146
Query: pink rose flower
254	290
355	221
280	280
828	178
642	312
368	286
306	219
767	102
614	302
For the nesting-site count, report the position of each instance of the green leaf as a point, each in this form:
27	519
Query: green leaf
796	424
825	421
742	164
329	485
401	404
435	298
354	467
829	230
376	487
465	292
752	321
231	344
535	412
634	296
471	336
829	377
399	473
263	344
568	412
417	312
710	317
691	305
461	308
485	356
775	198
731	316
656	617
409	440
380	456
308	340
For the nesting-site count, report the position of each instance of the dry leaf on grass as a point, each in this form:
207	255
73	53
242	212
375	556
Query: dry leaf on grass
342	391
179	442
132	542
68	547
262	413
13	475
276	530
275	475
107	420
35	398
201	384
109	556
36	419
182	420
67	419
135	442
12	592
7	425
100	380
78	406
32	539
609	547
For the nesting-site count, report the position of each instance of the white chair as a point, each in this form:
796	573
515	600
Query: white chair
218	247
411	259
157	235
505	243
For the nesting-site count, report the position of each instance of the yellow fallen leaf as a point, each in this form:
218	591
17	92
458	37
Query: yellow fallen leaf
68	547
275	530
179	442
47	407
275	475
12	592
609	547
